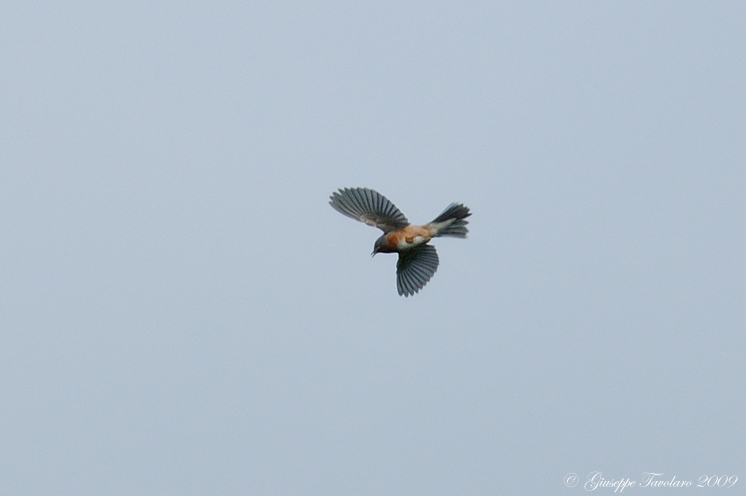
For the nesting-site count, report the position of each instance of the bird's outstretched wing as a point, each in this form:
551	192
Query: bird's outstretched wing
368	206
414	268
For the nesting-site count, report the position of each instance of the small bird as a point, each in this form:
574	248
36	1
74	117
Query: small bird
418	260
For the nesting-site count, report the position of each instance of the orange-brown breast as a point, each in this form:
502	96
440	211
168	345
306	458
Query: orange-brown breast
407	235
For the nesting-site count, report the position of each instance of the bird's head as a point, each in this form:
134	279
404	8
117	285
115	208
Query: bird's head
380	245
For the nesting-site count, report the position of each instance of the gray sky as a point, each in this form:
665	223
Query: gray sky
183	313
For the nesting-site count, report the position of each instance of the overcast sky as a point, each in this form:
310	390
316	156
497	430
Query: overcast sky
182	312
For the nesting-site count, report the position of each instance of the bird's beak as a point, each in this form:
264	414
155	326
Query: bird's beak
373	254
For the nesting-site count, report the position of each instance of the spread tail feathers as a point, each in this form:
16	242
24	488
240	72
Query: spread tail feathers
452	221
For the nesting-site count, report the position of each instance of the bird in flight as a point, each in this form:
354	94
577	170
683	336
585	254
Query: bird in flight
418	260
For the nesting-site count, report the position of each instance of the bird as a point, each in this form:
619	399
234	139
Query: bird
418	260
